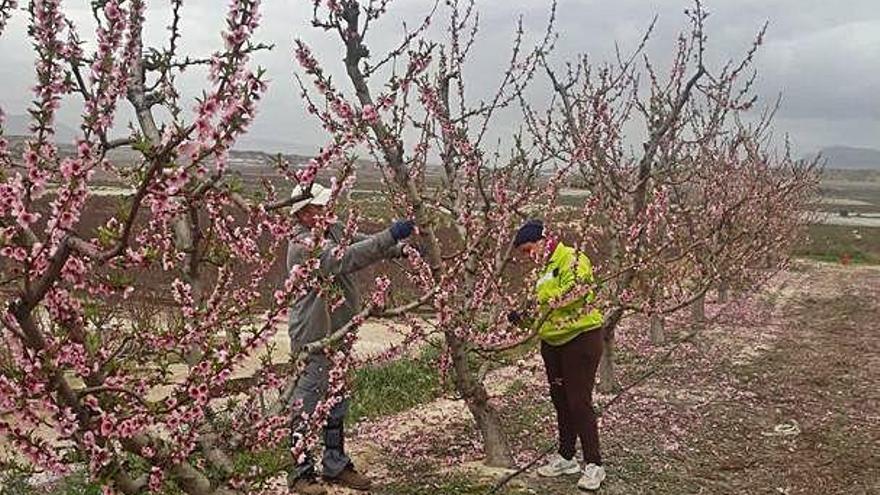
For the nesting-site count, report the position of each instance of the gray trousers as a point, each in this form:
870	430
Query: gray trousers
310	389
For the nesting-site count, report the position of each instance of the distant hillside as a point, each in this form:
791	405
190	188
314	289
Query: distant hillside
272	146
19	125
849	158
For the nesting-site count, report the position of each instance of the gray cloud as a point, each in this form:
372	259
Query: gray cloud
822	56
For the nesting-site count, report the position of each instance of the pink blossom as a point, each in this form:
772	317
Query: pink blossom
370	114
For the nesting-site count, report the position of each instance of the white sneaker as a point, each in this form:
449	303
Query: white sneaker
558	465
592	477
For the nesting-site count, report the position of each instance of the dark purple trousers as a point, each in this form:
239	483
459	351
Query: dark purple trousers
571	371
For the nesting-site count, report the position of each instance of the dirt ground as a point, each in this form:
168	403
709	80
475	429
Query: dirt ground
780	396
805	415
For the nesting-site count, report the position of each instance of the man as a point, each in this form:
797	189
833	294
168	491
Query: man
311	319
571	346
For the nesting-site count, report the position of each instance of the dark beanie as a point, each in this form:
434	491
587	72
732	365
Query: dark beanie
531	231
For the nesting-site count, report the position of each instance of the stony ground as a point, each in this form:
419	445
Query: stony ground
780	394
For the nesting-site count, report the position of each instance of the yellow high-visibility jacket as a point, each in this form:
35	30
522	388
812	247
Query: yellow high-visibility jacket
565	270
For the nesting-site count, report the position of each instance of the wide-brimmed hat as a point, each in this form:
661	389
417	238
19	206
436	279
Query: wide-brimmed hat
320	196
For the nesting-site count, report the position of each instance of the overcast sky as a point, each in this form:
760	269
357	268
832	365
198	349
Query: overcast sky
822	56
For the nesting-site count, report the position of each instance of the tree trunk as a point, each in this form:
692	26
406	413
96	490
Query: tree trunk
723	292
698	310
607	380
657	334
474	393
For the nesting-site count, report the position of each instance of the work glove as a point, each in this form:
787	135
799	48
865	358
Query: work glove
515	317
402	229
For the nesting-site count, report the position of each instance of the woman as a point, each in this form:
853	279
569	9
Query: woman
571	346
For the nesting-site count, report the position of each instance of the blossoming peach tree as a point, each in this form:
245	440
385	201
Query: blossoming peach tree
88	377
412	103
702	203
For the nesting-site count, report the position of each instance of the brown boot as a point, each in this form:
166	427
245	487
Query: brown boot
350	478
307	486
